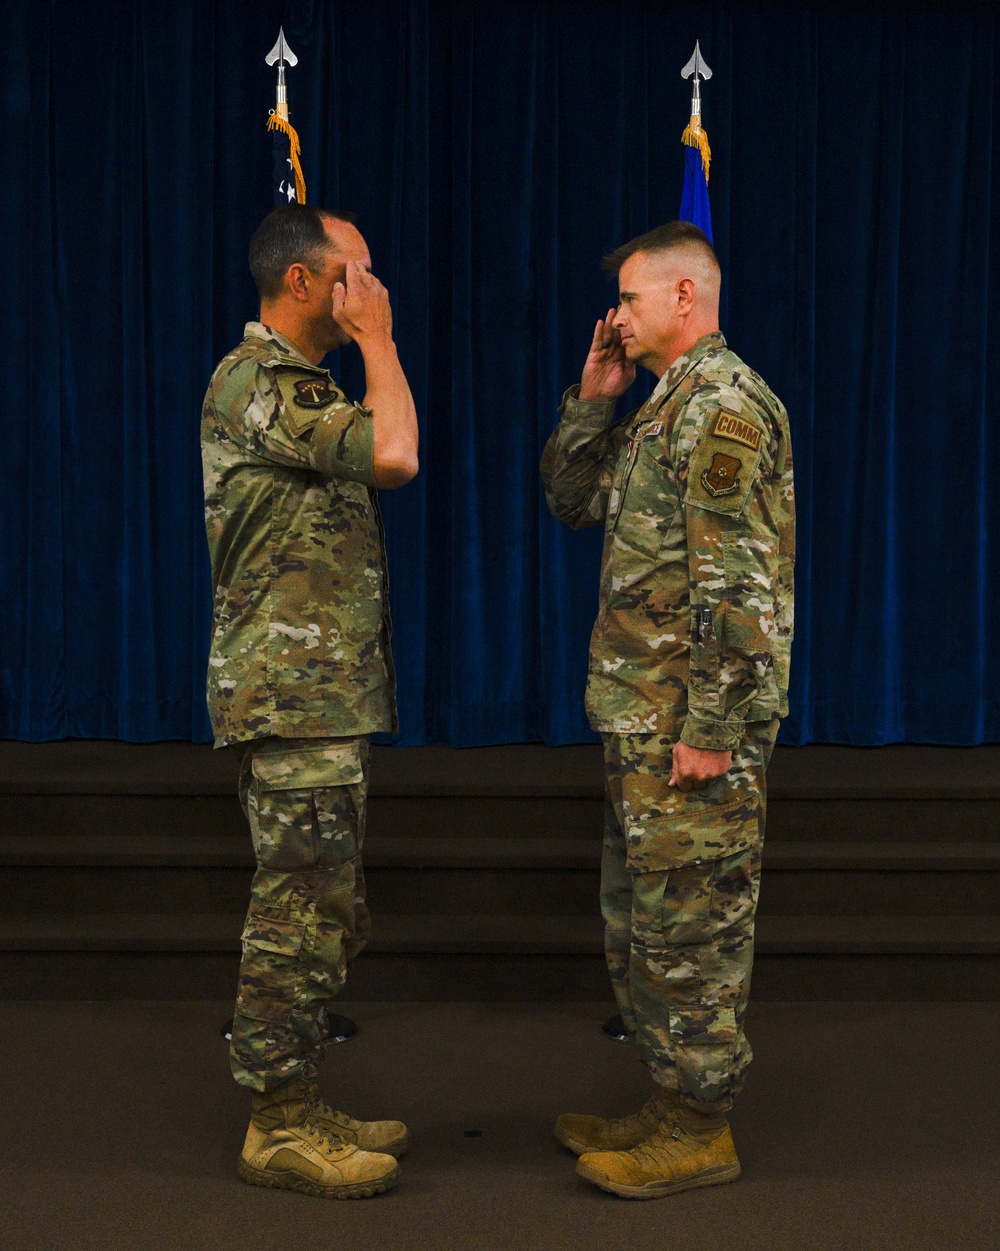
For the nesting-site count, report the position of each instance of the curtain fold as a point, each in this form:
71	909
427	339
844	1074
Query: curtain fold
492	153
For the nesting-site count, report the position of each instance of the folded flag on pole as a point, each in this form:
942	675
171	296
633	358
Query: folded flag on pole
697	154
289	183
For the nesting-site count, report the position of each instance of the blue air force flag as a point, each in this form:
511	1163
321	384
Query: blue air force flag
694	198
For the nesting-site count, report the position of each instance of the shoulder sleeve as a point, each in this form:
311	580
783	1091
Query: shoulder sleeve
730	440
734	549
339	435
296	418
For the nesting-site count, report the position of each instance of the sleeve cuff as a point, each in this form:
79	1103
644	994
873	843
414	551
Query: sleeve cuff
600	412
710	734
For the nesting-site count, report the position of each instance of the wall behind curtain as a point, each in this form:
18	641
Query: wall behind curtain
492	153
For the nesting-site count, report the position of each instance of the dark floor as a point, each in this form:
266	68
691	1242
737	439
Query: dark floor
864	1126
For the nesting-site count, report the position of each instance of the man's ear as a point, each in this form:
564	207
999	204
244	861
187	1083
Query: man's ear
297	281
686	292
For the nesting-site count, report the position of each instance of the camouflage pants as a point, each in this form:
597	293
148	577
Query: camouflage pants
305	801
680	877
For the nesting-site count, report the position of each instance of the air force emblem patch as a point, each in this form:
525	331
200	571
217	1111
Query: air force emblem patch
723	475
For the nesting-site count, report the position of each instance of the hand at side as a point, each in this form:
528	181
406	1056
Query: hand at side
694	767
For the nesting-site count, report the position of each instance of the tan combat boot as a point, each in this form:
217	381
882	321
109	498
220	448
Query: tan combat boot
390	1137
287	1148
688	1150
593	1133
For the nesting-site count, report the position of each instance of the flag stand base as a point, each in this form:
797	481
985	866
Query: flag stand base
614	1028
335	1029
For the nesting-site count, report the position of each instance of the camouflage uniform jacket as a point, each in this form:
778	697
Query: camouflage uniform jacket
300	640
694	626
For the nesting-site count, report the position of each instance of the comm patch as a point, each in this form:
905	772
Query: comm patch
730	426
314	393
722	477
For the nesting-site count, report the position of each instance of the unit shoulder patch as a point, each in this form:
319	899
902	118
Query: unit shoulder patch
722	477
305	398
315	393
729	425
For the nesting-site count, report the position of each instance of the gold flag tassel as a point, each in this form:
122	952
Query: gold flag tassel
695	137
277	122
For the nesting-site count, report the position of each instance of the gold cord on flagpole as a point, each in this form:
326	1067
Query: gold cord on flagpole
277	122
695	137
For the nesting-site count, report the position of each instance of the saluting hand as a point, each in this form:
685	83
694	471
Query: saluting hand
361	304
607	372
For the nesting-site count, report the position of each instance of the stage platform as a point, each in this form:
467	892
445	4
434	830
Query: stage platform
127	871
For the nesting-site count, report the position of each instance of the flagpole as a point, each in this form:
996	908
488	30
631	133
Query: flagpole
694	136
698	156
278	121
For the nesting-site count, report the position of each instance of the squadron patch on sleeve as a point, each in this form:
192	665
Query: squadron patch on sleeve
304	398
314	393
731	426
722	477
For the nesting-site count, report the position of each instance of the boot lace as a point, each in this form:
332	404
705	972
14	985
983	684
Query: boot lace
323	1135
317	1116
665	1143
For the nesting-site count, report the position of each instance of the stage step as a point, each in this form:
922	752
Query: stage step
523	887
98	767
126	872
427	934
426	958
234	851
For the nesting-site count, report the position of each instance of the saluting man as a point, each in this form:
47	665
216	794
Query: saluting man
300	672
688	678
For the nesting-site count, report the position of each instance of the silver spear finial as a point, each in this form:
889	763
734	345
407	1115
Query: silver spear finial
283	55
695	67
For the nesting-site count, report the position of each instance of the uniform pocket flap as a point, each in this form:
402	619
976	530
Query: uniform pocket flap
708	1027
670	828
303	768
269	930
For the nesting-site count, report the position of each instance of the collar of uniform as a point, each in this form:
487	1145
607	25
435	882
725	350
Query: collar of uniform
682	366
285	351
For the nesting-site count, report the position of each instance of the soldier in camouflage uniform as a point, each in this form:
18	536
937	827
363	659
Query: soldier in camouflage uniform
688	678
300	671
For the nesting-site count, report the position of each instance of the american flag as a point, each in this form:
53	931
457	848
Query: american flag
283	175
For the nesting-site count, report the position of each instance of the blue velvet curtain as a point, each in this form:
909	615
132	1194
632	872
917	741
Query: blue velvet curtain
492	153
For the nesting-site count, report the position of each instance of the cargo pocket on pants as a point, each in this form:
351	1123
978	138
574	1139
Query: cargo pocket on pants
679	828
309	805
269	972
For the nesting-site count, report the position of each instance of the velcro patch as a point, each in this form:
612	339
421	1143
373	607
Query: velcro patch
315	393
723	475
305	398
730	426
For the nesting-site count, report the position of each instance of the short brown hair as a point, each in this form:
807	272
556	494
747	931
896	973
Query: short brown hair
663	239
289	235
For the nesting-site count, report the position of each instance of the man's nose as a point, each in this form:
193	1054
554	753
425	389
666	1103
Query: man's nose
619	318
